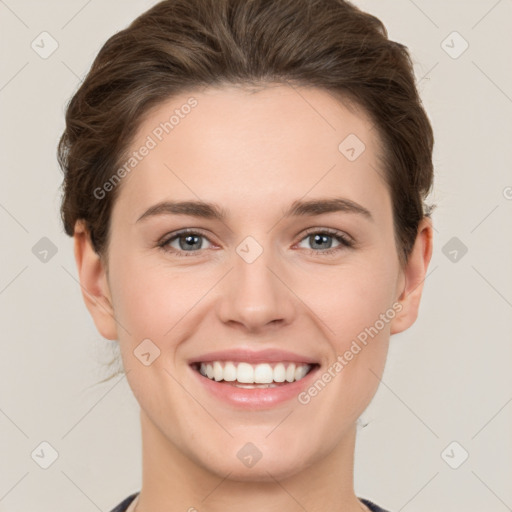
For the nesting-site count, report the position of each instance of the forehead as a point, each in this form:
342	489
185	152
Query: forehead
242	147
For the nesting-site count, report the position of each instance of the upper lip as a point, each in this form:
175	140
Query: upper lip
253	356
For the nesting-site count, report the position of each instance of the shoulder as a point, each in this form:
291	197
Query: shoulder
125	503
372	506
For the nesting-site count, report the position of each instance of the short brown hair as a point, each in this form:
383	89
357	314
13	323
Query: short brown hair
180	45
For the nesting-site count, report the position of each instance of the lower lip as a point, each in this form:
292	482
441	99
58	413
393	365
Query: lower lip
256	398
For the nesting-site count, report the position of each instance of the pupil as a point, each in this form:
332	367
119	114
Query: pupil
321	238
189	240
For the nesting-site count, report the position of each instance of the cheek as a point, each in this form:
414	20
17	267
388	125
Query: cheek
151	300
356	312
352	299
156	300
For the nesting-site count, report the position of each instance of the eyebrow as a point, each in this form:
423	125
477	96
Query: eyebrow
298	208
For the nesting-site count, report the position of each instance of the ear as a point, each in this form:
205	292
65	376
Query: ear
94	283
413	277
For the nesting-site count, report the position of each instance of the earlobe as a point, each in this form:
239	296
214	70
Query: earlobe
414	276
94	283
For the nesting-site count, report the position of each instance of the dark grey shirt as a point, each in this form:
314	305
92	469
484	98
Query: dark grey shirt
125	504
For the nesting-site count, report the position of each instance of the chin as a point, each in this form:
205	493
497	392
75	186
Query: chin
252	462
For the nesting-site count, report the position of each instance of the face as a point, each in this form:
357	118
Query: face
283	287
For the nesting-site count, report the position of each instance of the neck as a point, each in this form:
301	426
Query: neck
173	481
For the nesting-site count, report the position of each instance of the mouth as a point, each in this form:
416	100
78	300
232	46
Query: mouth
245	375
247	380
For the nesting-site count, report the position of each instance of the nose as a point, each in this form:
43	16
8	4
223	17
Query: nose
255	295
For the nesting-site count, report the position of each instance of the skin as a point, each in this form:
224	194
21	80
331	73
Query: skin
254	153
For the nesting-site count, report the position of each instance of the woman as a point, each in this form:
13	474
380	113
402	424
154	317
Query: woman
244	181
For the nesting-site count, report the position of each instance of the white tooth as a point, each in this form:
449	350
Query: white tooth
245	373
229	372
263	374
253	374
279	372
290	373
217	371
300	372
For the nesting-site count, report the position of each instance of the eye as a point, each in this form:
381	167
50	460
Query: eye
322	240
186	241
189	241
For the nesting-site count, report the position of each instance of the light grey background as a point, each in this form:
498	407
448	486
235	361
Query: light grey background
448	377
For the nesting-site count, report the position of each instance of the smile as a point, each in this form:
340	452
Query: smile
247	375
253	380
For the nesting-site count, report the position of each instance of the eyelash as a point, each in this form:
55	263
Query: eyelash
345	241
